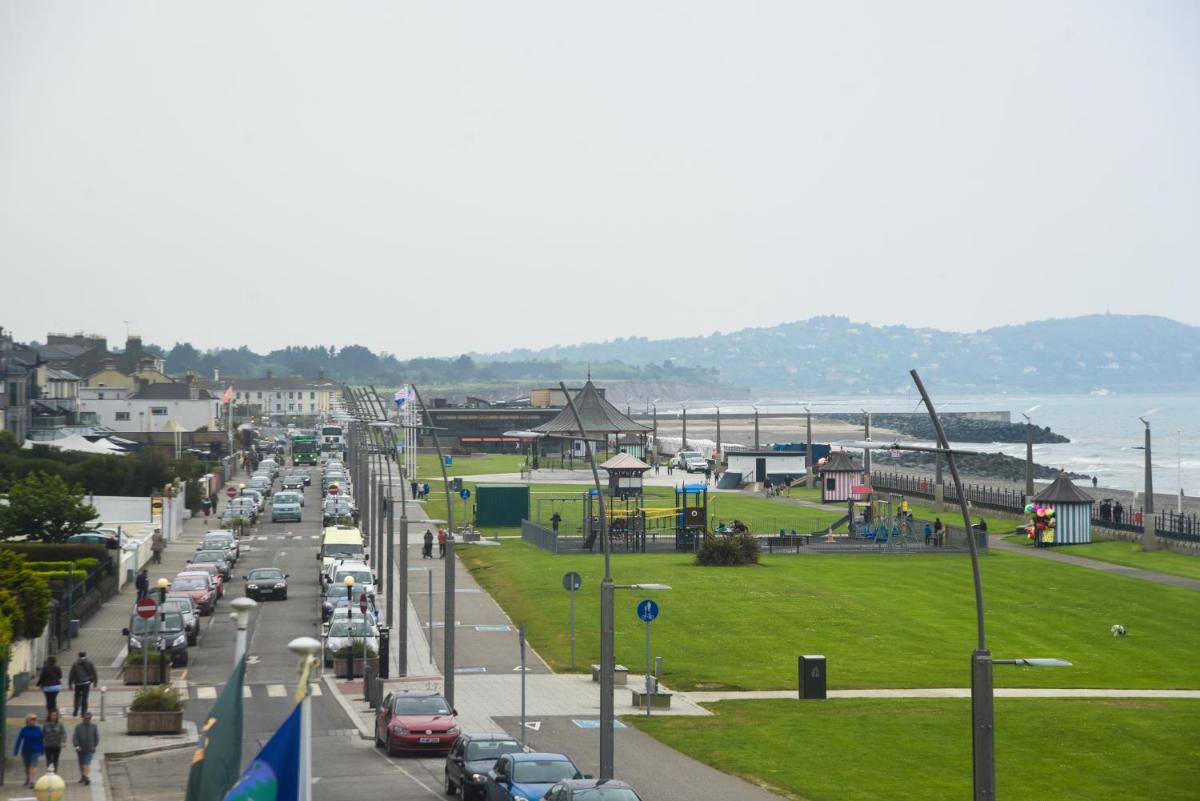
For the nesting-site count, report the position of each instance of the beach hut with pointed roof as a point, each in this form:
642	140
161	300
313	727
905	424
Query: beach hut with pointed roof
1072	511
840	473
625	475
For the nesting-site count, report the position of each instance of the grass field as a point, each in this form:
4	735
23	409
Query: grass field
920	750
883	621
1130	554
474	465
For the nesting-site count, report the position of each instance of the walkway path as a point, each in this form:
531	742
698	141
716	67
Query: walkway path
997	542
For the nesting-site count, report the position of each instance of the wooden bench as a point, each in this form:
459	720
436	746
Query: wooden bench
620	674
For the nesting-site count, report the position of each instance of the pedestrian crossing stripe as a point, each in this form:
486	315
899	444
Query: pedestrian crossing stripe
276	691
209	692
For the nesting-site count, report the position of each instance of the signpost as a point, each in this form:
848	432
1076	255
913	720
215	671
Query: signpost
333	489
521	640
146	609
647	610
231	492
571	582
464	494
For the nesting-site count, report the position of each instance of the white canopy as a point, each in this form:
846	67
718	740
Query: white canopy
76	443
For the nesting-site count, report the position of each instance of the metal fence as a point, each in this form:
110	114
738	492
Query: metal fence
1001	499
1174	525
543	538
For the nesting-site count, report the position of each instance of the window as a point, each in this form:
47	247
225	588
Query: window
122	417
312	396
158	411
312	407
278	394
291	407
259	396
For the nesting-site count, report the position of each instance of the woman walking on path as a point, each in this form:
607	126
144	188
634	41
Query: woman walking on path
50	682
427	548
441	543
54	734
29	746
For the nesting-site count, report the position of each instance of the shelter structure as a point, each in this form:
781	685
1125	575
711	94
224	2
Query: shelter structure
840	474
604	423
625	475
1072	511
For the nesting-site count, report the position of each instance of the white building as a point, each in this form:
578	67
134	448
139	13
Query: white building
153	407
760	466
279	396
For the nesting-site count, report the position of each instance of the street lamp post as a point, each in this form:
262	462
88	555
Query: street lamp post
162	585
755	428
867	453
1149	541
719	460
349	582
1029	452
808	454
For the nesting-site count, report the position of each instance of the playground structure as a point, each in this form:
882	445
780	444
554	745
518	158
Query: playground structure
633	525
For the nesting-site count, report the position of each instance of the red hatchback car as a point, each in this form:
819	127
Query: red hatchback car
202	590
415	721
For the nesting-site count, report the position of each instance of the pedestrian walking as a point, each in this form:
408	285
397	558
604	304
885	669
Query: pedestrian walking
54	734
413	486
939	532
425	490
80	679
427	548
441	543
50	682
928	534
1095	481
157	546
86	740
205	506
30	746
555	521
1118	512
656	467
142	583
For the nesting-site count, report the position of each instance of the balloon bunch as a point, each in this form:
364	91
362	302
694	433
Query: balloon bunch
1043	518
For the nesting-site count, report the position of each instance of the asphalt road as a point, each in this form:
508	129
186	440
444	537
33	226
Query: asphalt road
344	766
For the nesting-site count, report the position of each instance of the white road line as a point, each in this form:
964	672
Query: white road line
276	691
246	692
314	690
209	693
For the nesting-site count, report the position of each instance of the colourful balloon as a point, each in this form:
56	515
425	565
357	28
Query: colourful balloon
1029	508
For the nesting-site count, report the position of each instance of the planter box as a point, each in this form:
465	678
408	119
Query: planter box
658	700
133	673
154	722
620	674
341	669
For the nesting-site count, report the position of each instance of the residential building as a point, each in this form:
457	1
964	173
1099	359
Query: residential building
292	396
18	385
153	407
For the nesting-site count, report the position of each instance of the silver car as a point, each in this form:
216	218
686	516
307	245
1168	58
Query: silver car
343	632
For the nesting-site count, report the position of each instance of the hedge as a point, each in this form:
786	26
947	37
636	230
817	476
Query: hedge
89	564
62	575
49	552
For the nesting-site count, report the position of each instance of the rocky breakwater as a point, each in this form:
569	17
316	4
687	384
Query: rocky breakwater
959	427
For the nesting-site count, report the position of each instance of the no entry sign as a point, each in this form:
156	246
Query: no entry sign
333	489
147	607
231	492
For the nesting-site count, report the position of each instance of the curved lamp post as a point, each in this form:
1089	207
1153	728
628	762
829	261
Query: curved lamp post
349	582
242	607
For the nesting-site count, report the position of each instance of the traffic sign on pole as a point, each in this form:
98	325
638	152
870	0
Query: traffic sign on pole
231	492
647	610
466	493
333	489
572	581
362	603
147	608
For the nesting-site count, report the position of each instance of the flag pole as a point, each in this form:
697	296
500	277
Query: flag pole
306	648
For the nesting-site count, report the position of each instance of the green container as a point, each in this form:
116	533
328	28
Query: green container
501	505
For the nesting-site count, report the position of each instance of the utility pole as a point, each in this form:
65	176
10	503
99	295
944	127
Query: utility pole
808	451
1149	540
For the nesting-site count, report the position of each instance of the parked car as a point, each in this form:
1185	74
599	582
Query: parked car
240	508
334	509
415	720
343	633
292	482
214	557
198	585
212	570
109	539
262	484
263	583
183	604
227	540
165	630
528	776
286	506
334	580
691	461
591	790
468	762
337	605
256	495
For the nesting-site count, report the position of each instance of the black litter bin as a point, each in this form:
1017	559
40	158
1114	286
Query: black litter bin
812	677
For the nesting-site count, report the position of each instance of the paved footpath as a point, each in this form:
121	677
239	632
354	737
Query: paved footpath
1054	555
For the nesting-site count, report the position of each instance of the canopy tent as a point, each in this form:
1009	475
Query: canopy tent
77	443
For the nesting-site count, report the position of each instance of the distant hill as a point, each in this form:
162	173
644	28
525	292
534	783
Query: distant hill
835	355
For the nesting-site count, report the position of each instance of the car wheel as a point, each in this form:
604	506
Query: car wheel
390	751
450	788
284	596
378	741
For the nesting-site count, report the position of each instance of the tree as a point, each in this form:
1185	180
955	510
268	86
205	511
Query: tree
42	507
24	597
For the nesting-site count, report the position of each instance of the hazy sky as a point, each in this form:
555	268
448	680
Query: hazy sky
428	178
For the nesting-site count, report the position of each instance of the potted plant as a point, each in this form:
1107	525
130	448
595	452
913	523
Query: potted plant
342	656
155	710
138	671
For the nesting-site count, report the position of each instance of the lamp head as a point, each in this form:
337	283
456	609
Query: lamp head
304	646
348	581
163	583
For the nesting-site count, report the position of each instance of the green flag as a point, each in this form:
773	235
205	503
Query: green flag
217	763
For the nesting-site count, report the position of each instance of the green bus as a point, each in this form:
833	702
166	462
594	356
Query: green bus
304	449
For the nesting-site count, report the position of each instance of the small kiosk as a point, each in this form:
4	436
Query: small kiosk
840	475
1071	514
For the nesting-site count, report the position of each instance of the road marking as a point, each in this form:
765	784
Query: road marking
246	691
252	660
493	628
314	537
519	669
468	589
595	724
276	691
470	670
314	690
536	725
209	693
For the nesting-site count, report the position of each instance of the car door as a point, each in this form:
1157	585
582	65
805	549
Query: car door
382	717
497	783
454	765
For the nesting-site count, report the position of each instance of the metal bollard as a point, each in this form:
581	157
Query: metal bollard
657	672
385	652
368	679
103	695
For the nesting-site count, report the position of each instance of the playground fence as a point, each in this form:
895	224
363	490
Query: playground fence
543	538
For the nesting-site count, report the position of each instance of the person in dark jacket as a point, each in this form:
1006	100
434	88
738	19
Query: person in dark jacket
427	548
142	583
50	682
81	679
86	739
30	746
54	734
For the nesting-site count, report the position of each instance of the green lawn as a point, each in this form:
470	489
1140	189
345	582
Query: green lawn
1131	554
883	621
920	750
474	465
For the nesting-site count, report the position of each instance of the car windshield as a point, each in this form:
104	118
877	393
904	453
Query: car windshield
425	705
177	606
266	573
543	771
205	557
218	541
342	549
605	794
287	497
183	602
343	628
491	749
360	577
188	584
169	621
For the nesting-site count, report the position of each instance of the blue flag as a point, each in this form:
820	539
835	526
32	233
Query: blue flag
274	775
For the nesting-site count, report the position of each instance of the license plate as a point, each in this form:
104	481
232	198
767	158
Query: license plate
424	740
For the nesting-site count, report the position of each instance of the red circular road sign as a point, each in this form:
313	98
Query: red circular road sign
147	607
362	603
333	489
231	492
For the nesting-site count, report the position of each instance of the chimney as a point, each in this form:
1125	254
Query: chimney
216	374
269	372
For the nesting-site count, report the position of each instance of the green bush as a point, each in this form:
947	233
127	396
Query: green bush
89	565
30	590
65	552
728	550
157	698
357	649
62	575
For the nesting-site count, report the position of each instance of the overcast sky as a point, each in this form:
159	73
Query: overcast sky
428	178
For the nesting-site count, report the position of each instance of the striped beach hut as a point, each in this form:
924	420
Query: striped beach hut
1072	511
840	473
